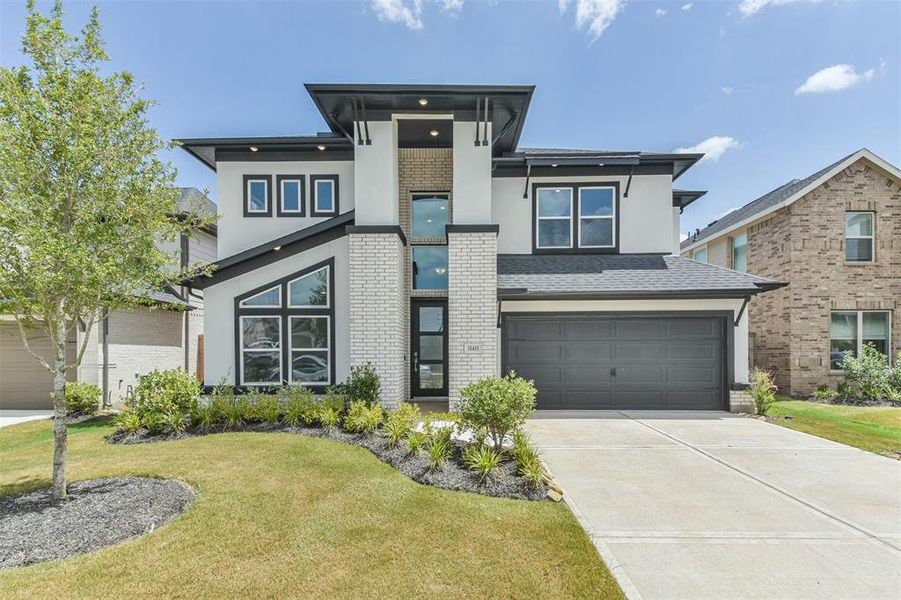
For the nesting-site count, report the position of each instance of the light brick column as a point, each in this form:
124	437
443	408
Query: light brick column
472	306
378	306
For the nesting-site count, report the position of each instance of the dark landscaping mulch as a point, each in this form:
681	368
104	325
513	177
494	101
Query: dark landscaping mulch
504	482
96	513
852	401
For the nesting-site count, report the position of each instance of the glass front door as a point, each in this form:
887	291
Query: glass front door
428	334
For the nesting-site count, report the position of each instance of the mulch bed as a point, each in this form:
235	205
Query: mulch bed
839	401
503	482
97	513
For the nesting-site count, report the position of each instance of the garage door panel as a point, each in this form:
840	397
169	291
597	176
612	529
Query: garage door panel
688	328
692	399
586	329
536	330
588	352
639	398
700	376
640	375
547	375
536	352
691	351
640	329
586	399
640	351
587	375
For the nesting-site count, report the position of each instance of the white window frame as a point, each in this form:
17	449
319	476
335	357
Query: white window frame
706	254
539	218
611	217
328	295
281	366
242	304
316	207
871	237
744	235
249	208
327	350
859	342
281	195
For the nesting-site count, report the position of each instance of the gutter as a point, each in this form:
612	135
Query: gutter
713	294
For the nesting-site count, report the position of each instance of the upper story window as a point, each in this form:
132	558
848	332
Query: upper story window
430	215
290	195
740	253
700	254
575	217
859	236
325	195
257	196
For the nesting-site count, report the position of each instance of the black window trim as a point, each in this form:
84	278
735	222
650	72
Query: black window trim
286	312
262	213
302	199
314	212
576	247
425	195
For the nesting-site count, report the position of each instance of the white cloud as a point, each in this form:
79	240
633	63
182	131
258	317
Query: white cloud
752	7
660	12
399	11
682	237
834	79
594	15
452	5
713	147
687	7
727	89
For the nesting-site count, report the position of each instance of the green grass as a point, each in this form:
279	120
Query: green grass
282	515
877	429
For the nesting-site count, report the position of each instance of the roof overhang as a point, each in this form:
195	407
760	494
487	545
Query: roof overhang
719	294
682	198
546	164
507	105
295	147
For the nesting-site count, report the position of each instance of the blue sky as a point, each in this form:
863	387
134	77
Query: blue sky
774	89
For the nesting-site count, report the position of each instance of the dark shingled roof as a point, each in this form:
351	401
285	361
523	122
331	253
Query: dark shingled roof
622	276
760	205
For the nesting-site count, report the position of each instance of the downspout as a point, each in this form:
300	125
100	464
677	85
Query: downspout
105	366
185	256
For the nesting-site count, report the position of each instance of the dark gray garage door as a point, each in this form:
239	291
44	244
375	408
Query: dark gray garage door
598	362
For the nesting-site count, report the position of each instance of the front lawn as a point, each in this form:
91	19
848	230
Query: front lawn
282	515
877	429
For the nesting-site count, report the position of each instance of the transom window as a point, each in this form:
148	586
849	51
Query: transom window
740	253
257	196
851	329
325	195
284	332
859	236
430	215
576	216
290	195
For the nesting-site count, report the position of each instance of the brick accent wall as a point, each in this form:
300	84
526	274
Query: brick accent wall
472	309
804	244
741	401
378	309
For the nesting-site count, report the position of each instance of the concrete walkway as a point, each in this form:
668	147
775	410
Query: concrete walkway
714	505
11	417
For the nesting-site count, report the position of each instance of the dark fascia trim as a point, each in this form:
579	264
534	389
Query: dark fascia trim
279	211
299	147
336	208
514	164
682	198
267	155
575	217
265	254
718	294
367	229
519	170
268	180
461	228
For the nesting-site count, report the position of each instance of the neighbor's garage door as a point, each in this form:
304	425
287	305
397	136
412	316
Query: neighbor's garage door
24	382
599	362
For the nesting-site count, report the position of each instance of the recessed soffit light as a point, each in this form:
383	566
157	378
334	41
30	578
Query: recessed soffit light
433	133
423	102
253	148
320	147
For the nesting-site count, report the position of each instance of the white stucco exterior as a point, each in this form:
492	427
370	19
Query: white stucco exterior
472	176
375	175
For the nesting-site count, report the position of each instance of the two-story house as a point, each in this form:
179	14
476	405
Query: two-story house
835	237
167	334
417	236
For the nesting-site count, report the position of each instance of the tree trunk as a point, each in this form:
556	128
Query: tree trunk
60	432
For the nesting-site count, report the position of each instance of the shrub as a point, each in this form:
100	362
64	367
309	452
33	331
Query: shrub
300	406
362	418
82	398
844	390
415	442
870	373
362	385
155	422
265	409
440	449
328	417
824	392
395	431
128	421
481	459
399	423
894	376
532	472
497	406
203	417
164	392
174	422
763	390
523	451
236	413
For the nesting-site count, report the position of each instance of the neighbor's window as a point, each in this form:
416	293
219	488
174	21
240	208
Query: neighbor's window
700	255
310	350
430	215
309	290
740	253
554	225
325	195
850	330
859	236
429	267
290	195
261	353
256	195
597	217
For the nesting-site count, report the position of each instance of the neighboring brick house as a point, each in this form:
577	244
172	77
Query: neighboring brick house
127	344
835	237
416	236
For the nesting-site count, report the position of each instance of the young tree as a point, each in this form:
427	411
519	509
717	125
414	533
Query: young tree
85	202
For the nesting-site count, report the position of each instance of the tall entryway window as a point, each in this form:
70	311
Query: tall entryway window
429	217
429	347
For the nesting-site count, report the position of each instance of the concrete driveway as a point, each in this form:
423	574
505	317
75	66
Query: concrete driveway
714	505
11	417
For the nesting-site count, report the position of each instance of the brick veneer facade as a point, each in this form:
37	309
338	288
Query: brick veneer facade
804	244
